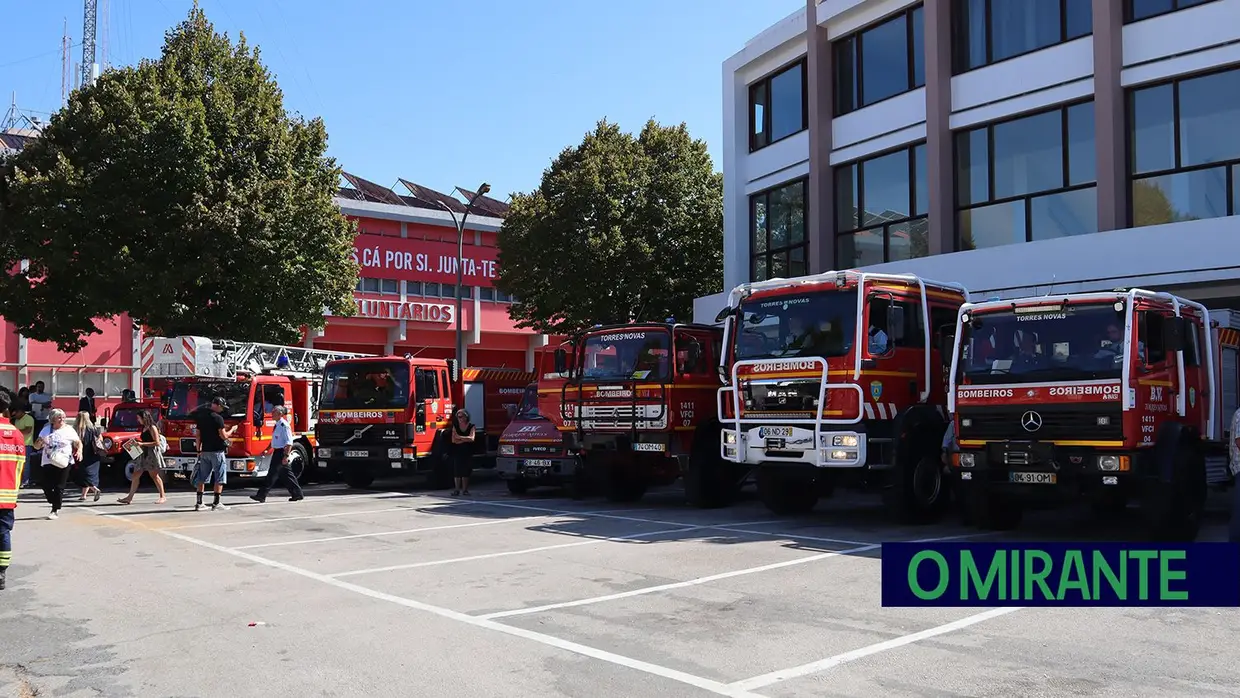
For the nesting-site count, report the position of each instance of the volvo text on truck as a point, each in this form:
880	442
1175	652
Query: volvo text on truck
836	379
1118	397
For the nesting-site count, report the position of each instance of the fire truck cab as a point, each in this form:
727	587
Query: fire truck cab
634	404
388	415
837	378
253	378
1115	396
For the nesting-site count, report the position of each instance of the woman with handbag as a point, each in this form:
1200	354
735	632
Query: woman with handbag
150	461
92	449
61	447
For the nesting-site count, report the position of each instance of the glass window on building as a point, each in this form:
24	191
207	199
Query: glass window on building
486	293
383	286
1184	149
989	31
881	61
778	242
1137	10
431	290
1025	179
881	205
777	106
413	288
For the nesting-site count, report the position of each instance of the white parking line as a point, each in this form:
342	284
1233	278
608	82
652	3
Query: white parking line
705	684
774	677
705	580
786	534
608	515
380	534
246	522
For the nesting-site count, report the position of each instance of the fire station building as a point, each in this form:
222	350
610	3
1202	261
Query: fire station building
1014	147
407	249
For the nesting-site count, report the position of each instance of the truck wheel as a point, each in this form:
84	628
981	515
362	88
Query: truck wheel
359	478
620	485
518	485
299	463
917	492
994	512
1173	513
441	465
129	471
1109	503
784	494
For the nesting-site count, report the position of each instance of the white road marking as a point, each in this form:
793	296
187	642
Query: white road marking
380	534
705	684
246	522
708	579
507	553
787	534
607	515
774	677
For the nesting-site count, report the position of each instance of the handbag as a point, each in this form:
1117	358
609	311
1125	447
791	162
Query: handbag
59	459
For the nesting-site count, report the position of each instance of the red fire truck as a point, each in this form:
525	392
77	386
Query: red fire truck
836	378
532	451
120	425
1114	396
634	404
253	378
391	415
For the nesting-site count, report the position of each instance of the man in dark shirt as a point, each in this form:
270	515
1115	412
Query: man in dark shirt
212	439
87	404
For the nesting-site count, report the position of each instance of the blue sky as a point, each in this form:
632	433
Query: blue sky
441	93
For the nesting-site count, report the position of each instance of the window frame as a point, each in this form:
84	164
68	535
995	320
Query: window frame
1231	180
768	252
858	59
1026	198
960	41
911	149
1176	6
765	81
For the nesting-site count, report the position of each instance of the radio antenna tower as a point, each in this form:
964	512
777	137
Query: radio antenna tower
65	84
104	29
90	68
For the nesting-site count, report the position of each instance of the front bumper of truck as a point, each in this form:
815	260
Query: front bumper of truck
378	460
537	470
1046	471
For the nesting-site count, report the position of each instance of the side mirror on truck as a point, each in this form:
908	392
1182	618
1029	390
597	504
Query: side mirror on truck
895	323
561	361
947	347
1175	332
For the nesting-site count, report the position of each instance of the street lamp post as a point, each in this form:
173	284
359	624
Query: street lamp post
460	259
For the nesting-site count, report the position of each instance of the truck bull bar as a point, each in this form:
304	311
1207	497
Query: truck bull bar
572	411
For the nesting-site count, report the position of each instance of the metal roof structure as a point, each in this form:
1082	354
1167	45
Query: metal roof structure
419	197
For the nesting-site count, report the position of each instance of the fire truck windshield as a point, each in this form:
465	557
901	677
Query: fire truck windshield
368	384
813	324
529	404
125	420
1077	342
626	355
188	397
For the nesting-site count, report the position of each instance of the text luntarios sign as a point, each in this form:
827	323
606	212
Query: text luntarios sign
411	310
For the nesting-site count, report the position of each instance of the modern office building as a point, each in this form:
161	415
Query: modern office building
1015	146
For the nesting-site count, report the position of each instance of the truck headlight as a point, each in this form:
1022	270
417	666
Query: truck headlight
325	453
729	437
844	440
394	452
966	460
107	443
507	450
1109	463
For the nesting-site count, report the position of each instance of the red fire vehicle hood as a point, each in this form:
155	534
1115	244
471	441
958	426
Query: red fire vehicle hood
531	431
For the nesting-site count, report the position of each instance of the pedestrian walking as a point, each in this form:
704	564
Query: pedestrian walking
1233	532
462	452
150	461
40	404
12	462
61	446
92	450
212	439
20	415
280	449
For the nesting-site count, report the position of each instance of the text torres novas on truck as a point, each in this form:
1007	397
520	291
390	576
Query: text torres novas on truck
253	378
1112	395
836	378
634	402
391	414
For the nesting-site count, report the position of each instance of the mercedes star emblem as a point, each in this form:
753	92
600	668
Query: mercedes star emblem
1031	421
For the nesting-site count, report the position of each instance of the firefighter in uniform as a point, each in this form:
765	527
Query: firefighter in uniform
12	460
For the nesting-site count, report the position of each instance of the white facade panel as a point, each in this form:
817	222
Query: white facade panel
1180	65
892	140
1024	75
1025	103
777	157
1184	31
883	118
846	16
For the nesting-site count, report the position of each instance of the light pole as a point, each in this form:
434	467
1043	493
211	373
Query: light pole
460	255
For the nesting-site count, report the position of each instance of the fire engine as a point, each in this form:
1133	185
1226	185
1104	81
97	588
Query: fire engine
532	451
634	404
391	414
835	378
1114	396
253	378
120	425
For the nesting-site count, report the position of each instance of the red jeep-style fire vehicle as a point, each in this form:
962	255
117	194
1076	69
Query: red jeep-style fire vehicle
1116	396
121	424
836	378
634	404
253	378
391	414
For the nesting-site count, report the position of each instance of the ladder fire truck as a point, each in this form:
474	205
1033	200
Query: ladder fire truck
1114	396
836	378
253	378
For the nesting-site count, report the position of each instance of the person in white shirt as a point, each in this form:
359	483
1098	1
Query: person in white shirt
61	448
40	403
1233	531
280	448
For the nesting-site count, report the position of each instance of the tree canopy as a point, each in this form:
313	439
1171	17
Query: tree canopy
621	228
181	192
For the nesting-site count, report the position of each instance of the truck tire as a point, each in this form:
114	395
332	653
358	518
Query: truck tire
1173	510
299	462
708	478
518	485
994	512
785	494
128	471
917	491
441	464
359	478
1109	503
620	485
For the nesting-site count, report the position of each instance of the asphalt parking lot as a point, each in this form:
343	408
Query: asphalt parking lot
412	593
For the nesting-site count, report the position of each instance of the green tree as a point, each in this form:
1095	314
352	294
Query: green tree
621	228
179	191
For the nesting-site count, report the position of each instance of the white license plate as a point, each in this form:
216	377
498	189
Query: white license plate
1033	478
766	432
648	447
356	454
537	463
